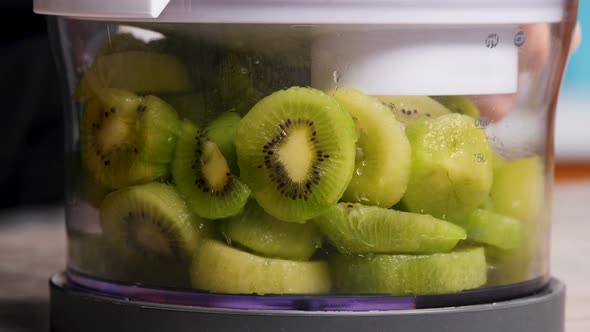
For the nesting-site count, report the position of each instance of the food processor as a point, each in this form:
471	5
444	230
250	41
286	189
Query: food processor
280	165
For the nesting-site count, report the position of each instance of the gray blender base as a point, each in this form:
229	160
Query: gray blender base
73	310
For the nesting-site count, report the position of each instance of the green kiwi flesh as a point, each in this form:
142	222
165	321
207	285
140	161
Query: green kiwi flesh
127	140
359	229
408	109
220	268
383	153
236	84
222	131
151	220
518	189
440	273
296	151
267	236
137	71
494	229
459	104
203	177
451	172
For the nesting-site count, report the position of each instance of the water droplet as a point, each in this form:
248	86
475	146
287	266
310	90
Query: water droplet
243	70
336	77
359	171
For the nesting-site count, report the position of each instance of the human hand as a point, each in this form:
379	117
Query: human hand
533	55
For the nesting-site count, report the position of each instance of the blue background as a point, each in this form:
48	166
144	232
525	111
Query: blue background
578	71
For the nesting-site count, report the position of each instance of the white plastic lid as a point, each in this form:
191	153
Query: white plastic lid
312	11
418	60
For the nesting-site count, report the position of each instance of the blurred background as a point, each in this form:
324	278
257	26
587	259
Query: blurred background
32	169
572	137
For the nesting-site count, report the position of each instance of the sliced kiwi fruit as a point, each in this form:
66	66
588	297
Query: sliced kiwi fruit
125	139
451	171
199	108
442	273
222	131
296	150
360	229
203	177
383	153
220	268
267	236
494	229
153	221
498	161
518	189
488	204
137	71
237	85
407	109
459	104
94	255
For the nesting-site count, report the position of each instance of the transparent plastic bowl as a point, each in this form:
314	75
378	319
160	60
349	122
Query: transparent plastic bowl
310	166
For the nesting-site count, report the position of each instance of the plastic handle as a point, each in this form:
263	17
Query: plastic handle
102	9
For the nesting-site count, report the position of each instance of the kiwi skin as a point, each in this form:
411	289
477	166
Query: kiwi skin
321	135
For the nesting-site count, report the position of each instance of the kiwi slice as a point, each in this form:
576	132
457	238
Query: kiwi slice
137	71
267	236
127	140
491	228
222	269
222	131
382	167
296	150
151	220
203	177
498	161
94	255
518	189
451	171
236	83
409	274
459	104
360	229
197	107
407	109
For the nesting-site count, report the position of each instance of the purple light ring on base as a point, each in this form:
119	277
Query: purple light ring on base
255	302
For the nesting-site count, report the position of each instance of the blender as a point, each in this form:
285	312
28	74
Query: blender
316	165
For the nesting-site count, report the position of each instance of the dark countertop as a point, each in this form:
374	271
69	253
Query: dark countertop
32	247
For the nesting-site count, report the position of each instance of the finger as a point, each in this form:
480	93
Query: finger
534	54
576	38
494	107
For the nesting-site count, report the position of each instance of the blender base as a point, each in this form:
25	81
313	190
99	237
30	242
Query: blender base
75	310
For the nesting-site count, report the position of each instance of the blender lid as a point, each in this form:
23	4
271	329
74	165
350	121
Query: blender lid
311	11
